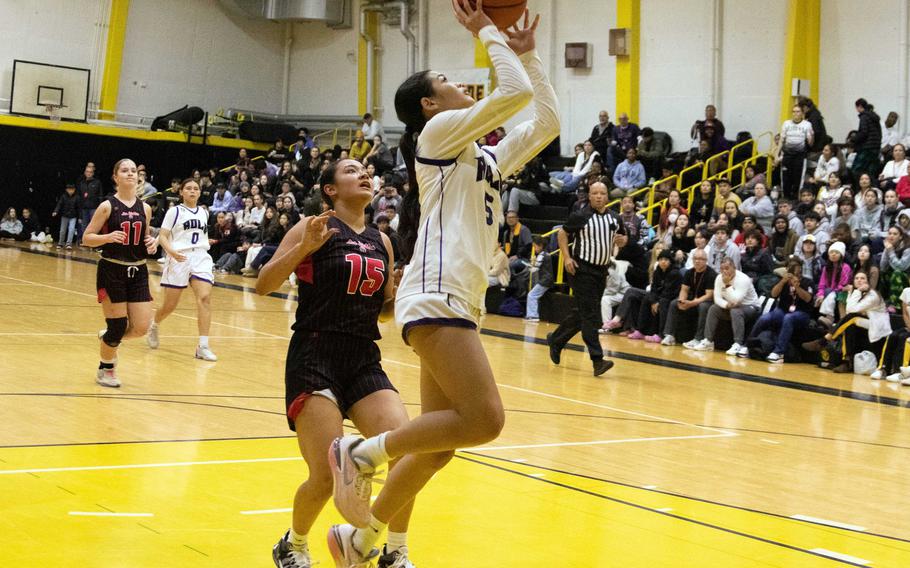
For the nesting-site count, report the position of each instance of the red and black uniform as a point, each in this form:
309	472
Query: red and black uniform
341	293
122	273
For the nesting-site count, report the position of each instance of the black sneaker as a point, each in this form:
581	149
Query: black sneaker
395	559
602	366
555	351
286	556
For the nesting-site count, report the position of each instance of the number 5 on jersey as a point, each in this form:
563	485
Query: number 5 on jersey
375	274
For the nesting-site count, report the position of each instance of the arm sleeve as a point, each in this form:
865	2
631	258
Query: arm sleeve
447	133
719	299
170	218
575	223
902	263
530	137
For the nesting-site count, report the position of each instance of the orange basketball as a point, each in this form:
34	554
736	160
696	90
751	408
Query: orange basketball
504	13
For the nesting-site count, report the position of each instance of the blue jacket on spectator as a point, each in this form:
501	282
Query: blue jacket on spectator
629	175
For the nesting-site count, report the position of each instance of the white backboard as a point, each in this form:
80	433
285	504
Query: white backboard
37	85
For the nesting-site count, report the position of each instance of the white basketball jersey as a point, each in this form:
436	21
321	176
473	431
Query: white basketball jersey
189	227
460	206
460	215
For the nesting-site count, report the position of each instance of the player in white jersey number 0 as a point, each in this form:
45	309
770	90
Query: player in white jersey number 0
184	237
438	302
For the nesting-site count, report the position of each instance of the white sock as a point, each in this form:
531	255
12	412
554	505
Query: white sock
297	541
364	539
371	451
396	541
204	341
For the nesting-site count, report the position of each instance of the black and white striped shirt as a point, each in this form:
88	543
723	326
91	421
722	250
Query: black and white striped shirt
594	234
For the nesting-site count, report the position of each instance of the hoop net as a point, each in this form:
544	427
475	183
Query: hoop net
52	112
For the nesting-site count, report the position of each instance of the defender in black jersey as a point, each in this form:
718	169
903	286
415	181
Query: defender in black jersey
120	228
333	370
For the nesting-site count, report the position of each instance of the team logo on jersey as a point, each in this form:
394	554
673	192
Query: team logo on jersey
364	247
129	214
193	224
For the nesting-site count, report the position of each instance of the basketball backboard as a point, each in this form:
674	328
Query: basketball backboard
49	91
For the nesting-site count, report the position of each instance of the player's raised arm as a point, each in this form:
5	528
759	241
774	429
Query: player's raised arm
304	238
530	137
447	133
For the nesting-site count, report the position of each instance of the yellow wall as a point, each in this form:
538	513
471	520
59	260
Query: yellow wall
628	15
802	50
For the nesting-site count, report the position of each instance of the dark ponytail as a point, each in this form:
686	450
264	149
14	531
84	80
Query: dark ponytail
409	108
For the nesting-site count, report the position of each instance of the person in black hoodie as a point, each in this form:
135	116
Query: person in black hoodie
652	315
602	133
31	227
815	118
68	207
868	140
91	193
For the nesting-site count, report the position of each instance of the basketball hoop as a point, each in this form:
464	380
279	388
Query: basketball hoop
52	112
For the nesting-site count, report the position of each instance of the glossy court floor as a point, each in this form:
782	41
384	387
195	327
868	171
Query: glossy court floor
675	459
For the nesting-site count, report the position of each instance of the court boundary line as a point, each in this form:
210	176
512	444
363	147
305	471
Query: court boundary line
658	512
690	367
654	489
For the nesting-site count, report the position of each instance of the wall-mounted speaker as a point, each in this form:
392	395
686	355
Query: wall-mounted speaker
579	55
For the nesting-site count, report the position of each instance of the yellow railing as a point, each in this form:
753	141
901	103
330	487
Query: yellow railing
716	158
742	144
231	167
682	174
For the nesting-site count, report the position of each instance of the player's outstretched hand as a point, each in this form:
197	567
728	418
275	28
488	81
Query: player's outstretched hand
522	39
151	244
317	232
473	19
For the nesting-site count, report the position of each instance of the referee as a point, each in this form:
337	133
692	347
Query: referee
594	231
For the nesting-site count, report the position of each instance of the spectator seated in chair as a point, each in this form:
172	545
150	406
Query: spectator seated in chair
735	300
696	296
792	312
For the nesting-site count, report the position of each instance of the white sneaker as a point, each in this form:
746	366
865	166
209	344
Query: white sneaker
906	382
341	546
905	371
669	341
894	378
704	345
395	559
286	556
877	375
205	354
534	320
107	378
743	352
734	349
775	358
353	487
692	343
152	337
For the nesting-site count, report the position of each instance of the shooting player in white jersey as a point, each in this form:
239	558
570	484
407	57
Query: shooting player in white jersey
184	237
439	300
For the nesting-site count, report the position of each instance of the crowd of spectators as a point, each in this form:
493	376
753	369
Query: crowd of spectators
780	268
807	265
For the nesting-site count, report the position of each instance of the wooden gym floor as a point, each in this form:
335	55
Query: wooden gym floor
676	459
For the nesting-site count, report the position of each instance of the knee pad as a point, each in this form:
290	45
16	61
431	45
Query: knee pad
116	329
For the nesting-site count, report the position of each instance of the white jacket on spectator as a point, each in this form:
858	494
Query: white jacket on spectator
868	222
615	290
763	211
741	291
824	168
873	307
894	170
582	165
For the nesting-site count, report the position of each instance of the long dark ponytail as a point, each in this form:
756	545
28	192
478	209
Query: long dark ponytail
409	109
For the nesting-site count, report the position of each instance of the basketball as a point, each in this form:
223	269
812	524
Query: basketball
504	13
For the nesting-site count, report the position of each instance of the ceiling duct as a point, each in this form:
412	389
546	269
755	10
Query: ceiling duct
332	12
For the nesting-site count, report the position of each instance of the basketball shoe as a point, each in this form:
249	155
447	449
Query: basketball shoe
395	559
286	556
341	545
353	486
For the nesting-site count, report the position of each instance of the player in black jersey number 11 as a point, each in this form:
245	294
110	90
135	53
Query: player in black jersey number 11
120	227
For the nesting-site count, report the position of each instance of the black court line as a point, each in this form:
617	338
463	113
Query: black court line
758	379
805	387
680	496
655	511
506	460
